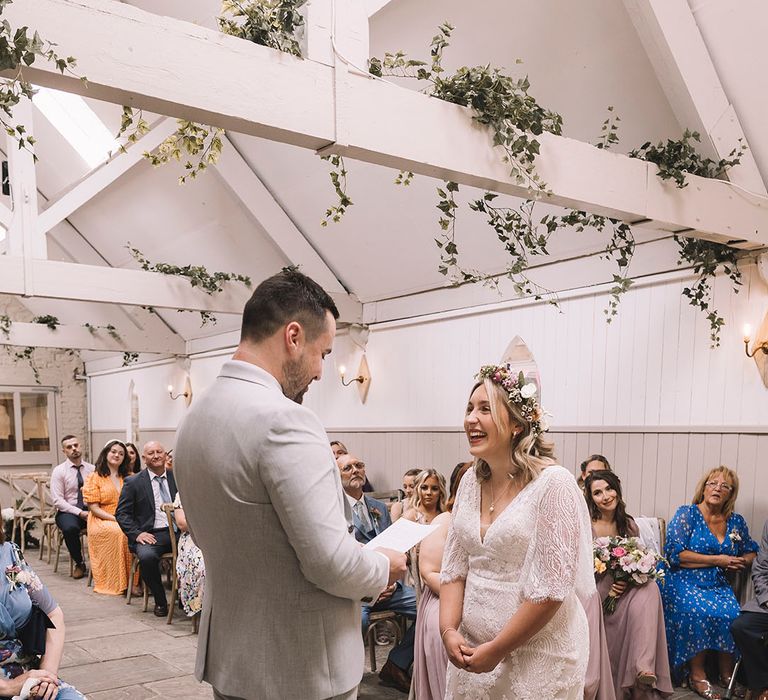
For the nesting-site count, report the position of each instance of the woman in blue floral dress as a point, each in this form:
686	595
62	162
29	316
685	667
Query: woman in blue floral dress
23	600
704	542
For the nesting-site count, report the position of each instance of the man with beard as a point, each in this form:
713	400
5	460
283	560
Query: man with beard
263	501
67	481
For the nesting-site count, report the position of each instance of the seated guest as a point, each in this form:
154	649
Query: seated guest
339	448
636	640
141	518
107	545
134	459
169	460
408	480
430	658
190	567
31	632
704	541
369	518
593	463
67	481
750	629
428	497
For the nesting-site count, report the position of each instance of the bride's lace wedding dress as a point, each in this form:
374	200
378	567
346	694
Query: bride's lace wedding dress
539	548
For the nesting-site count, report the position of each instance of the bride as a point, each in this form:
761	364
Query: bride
518	552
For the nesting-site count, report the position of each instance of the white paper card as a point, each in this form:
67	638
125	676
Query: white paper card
401	535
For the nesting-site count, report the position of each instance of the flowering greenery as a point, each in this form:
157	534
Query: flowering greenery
625	559
519	392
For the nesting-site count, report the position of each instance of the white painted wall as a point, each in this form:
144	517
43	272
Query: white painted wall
647	390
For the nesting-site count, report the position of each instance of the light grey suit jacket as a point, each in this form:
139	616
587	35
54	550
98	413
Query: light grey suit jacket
760	577
284	577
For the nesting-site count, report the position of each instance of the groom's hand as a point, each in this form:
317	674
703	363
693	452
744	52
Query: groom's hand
397	566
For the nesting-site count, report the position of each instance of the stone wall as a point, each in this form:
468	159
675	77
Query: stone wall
57	369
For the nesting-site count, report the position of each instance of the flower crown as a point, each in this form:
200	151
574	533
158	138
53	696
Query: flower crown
519	392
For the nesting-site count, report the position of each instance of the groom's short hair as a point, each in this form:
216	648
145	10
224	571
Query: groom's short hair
287	296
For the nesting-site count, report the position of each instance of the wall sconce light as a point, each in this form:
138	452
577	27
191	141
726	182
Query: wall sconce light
363	378
187	393
748	339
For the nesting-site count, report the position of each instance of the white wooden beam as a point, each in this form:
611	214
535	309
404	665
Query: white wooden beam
684	67
336	29
23	238
175	68
80	338
5	216
113	285
373	6
102	177
240	179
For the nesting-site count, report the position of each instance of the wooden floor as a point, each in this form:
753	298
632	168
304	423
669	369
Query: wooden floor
117	652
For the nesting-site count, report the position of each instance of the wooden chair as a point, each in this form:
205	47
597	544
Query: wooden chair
387	496
169	557
381	618
656	528
24	491
47	514
83	546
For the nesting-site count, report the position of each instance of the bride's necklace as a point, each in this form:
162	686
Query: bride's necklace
512	478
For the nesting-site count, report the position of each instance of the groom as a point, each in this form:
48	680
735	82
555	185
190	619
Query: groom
263	501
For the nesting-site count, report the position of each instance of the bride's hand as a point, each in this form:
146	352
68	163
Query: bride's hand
454	642
481	659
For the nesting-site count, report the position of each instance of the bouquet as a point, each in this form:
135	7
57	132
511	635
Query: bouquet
625	559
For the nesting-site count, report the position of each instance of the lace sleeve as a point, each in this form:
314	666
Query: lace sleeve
678	535
559	540
455	558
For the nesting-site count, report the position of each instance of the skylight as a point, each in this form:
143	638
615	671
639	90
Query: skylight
77	123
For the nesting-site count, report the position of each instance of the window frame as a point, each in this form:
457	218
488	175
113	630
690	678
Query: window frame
19	457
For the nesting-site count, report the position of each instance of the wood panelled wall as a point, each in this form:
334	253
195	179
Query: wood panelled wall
658	470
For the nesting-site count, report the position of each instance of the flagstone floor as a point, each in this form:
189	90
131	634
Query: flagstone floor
117	652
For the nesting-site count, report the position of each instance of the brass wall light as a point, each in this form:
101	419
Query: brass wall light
363	378
187	393
759	345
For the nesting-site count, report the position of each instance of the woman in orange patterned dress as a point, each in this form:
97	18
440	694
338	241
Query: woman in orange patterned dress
107	545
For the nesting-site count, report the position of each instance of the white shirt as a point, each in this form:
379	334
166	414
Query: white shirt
161	520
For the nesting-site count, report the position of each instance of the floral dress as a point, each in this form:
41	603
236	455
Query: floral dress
699	604
538	548
19	588
190	569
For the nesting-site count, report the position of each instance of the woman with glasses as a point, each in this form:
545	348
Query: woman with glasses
705	541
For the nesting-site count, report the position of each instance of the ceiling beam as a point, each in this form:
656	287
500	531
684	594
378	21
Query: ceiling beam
684	68
102	177
80	338
167	66
373	6
113	285
243	183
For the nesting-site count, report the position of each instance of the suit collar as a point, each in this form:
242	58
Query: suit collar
247	372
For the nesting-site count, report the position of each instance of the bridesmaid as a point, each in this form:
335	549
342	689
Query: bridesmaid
635	635
429	497
430	661
107	545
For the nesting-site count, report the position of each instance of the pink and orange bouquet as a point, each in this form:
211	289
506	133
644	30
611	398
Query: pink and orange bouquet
625	559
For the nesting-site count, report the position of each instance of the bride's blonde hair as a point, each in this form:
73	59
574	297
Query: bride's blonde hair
529	451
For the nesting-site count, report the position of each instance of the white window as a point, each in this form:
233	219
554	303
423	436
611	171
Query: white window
27	426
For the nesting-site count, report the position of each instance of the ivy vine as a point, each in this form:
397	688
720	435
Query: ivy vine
109	328
707	257
20	48
51	321
676	159
130	358
197	275
271	23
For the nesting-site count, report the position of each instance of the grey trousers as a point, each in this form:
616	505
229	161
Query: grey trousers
351	695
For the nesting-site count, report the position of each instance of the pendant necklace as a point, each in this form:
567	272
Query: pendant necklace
504	490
